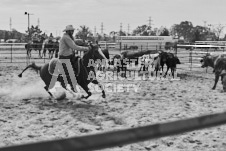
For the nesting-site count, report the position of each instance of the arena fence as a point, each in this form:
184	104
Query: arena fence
190	58
123	137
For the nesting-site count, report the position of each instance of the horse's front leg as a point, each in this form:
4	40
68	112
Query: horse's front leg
85	87
216	80
101	87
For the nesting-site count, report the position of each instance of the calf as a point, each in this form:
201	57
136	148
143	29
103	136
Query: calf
156	64
218	63
171	62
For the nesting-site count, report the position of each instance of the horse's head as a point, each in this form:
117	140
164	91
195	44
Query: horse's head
97	52
163	56
94	53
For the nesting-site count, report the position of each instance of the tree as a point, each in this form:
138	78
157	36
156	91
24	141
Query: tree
32	31
143	30
121	33
218	31
84	33
164	32
6	36
185	29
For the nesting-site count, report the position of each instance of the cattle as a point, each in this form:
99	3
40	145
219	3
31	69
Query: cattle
217	62
122	60
223	79
156	64
147	60
171	63
170	60
163	57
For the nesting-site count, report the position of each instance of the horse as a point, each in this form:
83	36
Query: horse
82	78
36	45
52	47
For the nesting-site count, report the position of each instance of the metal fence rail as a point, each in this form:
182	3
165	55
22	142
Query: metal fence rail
123	137
190	58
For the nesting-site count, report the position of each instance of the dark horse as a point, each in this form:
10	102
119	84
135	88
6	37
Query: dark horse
36	45
82	78
52	47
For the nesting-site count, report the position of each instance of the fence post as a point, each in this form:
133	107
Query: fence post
120	47
11	53
191	58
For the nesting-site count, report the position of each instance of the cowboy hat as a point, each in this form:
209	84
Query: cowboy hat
69	27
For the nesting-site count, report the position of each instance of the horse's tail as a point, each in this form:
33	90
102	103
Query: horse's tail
33	66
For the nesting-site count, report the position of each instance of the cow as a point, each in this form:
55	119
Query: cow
223	79
171	63
217	62
156	64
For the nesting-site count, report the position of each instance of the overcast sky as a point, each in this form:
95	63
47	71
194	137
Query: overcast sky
54	15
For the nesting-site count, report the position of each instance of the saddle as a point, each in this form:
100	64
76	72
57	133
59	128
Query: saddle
62	68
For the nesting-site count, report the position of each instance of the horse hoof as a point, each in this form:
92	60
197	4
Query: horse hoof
84	97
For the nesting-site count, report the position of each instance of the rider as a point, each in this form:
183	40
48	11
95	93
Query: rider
67	46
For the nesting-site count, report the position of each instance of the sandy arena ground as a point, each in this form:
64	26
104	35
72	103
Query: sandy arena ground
27	115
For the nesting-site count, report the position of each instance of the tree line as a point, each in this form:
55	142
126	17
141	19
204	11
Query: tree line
184	30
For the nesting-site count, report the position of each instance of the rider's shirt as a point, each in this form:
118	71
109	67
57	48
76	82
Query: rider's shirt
67	46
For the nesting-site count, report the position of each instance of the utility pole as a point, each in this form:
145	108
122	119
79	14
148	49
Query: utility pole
95	31
120	31
204	23
102	29
10	24
28	27
150	22
38	23
128	29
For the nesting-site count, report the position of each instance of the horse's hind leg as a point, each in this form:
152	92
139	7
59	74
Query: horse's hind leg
101	87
